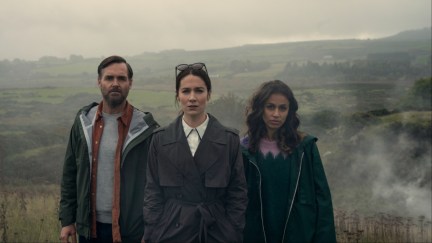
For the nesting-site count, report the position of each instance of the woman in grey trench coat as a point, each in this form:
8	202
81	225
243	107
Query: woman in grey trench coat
196	188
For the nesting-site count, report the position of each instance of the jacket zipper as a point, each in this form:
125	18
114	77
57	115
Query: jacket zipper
261	204
292	201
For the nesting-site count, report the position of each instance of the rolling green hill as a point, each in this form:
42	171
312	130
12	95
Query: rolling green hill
238	67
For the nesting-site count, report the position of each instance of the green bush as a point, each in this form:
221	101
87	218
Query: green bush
419	96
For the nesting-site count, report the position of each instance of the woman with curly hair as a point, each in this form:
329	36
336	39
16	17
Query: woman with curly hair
289	197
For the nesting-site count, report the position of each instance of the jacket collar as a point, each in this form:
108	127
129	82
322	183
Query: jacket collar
125	118
140	122
210	148
199	129
175	132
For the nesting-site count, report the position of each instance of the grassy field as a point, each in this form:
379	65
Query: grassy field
31	107
48	95
44	95
34	124
29	213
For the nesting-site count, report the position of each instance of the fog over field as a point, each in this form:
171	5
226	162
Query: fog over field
400	188
31	29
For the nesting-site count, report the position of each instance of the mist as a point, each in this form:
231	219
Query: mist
33	29
402	189
384	171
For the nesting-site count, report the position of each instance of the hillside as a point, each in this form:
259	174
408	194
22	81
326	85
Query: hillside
239	67
419	34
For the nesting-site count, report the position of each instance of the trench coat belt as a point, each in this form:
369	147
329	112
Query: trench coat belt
206	219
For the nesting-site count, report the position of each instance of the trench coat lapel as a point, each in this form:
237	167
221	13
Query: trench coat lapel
211	146
178	150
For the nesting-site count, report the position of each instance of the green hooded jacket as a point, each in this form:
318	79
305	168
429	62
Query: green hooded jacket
75	184
309	210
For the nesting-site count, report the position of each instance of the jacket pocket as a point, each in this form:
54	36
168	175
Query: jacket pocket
224	229
168	225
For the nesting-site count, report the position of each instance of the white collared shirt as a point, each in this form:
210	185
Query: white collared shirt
194	135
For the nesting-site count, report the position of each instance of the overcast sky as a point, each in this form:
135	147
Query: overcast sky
30	29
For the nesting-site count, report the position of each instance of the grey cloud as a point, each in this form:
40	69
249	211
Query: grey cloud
31	29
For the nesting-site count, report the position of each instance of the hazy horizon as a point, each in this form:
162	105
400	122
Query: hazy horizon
33	29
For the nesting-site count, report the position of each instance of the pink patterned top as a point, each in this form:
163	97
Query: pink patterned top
270	146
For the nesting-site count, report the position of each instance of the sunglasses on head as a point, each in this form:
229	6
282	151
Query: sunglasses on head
197	66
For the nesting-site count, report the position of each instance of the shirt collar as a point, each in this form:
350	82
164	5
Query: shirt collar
200	129
124	118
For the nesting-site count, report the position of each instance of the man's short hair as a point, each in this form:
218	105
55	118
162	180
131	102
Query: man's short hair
114	59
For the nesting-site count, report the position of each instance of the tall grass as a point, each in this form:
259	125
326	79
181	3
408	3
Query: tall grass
381	227
30	214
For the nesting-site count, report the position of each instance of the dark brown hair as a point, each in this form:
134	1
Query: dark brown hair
287	135
113	59
196	72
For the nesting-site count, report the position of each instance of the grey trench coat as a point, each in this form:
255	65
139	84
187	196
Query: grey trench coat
195	199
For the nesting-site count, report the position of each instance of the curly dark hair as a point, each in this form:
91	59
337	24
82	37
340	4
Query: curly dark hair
287	136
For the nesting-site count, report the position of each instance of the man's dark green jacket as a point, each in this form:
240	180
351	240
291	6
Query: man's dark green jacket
75	184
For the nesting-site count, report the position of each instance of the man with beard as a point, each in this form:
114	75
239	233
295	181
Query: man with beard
102	188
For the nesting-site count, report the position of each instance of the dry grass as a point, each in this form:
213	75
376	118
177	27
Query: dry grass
30	214
381	227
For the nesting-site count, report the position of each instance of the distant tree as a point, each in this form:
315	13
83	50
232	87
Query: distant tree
51	60
229	110
75	58
16	70
419	96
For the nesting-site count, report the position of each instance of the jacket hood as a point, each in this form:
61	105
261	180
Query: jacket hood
141	121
